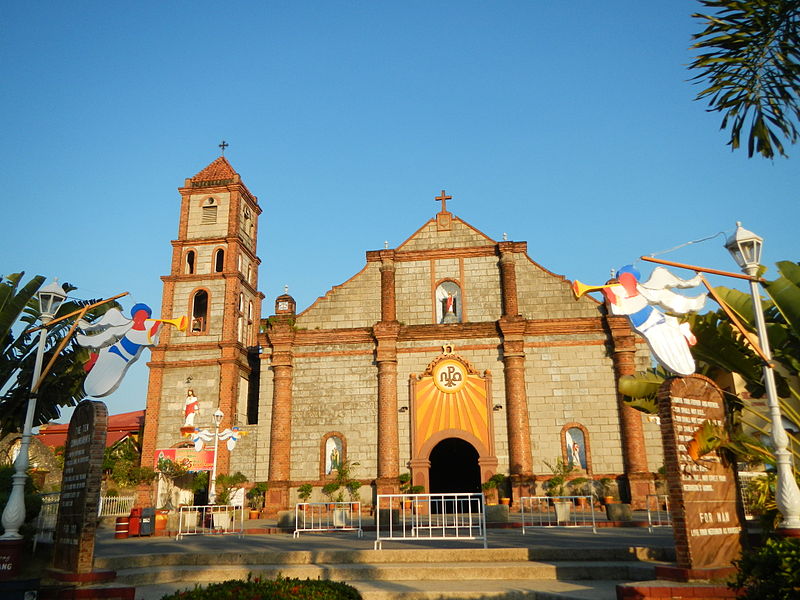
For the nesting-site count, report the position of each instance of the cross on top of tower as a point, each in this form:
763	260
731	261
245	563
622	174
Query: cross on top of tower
443	199
224	145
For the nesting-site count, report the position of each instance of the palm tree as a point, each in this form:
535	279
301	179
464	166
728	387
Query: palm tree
750	63
63	385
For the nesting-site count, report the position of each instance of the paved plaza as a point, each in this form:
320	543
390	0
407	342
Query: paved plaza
545	544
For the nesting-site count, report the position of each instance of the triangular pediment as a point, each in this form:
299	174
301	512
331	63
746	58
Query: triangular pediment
449	233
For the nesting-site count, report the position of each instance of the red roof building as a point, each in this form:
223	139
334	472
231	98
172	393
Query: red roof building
120	426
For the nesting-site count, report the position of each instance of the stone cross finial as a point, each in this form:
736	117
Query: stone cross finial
443	199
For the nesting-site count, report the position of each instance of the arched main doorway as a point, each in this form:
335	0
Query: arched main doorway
454	467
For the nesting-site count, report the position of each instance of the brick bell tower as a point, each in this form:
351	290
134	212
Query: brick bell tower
213	280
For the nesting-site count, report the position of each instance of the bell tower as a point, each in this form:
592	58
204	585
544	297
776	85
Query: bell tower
213	280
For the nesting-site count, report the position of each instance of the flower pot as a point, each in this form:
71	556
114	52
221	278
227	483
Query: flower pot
505	501
562	511
254	514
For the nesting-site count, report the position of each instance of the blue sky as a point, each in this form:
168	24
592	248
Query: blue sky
571	126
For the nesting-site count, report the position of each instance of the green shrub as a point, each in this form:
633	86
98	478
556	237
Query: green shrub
270	589
771	572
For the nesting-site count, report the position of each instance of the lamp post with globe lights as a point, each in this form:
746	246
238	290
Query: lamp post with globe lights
50	299
212	485
745	247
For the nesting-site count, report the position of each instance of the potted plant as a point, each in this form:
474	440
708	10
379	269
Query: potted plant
256	498
407	488
329	489
353	486
226	484
490	492
607	490
304	492
580	487
556	487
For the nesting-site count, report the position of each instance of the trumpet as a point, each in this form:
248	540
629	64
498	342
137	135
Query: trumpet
580	289
179	323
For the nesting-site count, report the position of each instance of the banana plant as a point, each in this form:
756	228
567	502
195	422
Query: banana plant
63	385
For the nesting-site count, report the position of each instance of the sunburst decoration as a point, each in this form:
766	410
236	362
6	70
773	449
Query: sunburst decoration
463	409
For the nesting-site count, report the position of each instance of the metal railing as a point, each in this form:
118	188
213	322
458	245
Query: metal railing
110	506
115	506
557	511
210	520
429	517
747	493
658	514
327	516
46	521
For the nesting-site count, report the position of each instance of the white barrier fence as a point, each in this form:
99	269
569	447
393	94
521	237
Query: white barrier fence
557	511
210	520
327	516
115	506
658	511
110	506
429	517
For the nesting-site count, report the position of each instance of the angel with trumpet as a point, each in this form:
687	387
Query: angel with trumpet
643	302
119	342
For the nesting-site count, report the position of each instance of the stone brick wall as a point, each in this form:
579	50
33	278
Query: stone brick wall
413	290
544	295
481	289
460	235
355	303
334	392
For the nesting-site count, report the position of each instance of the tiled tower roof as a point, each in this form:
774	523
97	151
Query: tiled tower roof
218	171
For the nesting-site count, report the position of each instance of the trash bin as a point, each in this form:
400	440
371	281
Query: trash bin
121	529
134	521
148	521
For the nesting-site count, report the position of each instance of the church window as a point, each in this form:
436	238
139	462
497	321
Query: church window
209	216
190	262
575	438
200	312
249	322
219	260
448	302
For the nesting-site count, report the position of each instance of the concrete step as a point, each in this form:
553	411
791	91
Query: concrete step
403	572
450	590
375	557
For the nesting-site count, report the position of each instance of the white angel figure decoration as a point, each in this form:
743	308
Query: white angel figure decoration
201	436
669	339
119	342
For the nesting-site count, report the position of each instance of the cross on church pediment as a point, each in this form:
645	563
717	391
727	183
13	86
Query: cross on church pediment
443	199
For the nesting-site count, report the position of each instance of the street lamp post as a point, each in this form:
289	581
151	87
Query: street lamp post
50	299
212	485
745	247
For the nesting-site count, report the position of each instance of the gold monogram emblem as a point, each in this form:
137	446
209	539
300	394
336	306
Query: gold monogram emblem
449	376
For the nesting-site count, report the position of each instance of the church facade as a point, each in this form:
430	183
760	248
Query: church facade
451	357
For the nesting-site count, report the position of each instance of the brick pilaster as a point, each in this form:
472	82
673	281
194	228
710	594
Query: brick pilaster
634	451
388	298
281	336
388	449
519	437
508	280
